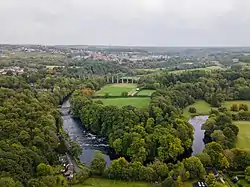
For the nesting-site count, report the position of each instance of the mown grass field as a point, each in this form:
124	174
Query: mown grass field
139	102
243	138
116	89
228	104
202	108
146	92
97	182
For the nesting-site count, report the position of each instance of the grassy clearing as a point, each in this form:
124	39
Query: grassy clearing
228	104
243	138
206	69
116	89
139	102
97	182
189	183
146	92
202	108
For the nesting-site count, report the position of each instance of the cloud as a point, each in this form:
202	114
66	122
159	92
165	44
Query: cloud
126	22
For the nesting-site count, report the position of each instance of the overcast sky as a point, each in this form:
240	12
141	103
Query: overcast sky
126	22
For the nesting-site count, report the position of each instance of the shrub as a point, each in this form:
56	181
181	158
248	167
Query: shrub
124	94
192	110
235	108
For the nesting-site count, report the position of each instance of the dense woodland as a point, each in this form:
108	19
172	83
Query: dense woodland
29	123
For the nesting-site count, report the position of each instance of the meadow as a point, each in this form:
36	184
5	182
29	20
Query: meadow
243	138
211	68
98	182
145	92
116	89
139	102
202	108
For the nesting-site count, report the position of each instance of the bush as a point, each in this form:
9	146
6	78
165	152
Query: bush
124	94
106	95
82	175
192	110
235	108
243	107
222	109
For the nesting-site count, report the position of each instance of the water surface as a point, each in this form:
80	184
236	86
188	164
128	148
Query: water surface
198	143
90	143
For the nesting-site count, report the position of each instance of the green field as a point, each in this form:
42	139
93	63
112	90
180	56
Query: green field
116	89
206	69
243	138
96	182
244	183
228	104
139	102
146	92
202	108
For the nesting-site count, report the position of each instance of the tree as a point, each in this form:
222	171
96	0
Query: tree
209	126
118	169
106	95
179	181
243	107
44	170
235	107
82	175
35	183
192	109
247	174
204	158
214	150
147	174
124	94
195	167
224	164
218	136
9	182
160	168
75	149
48	180
169	182
137	149
210	179
98	164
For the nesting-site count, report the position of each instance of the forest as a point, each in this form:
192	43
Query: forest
29	126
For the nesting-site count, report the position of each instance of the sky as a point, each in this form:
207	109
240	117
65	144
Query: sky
126	22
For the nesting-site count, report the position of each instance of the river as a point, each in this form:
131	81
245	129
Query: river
198	143
91	143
